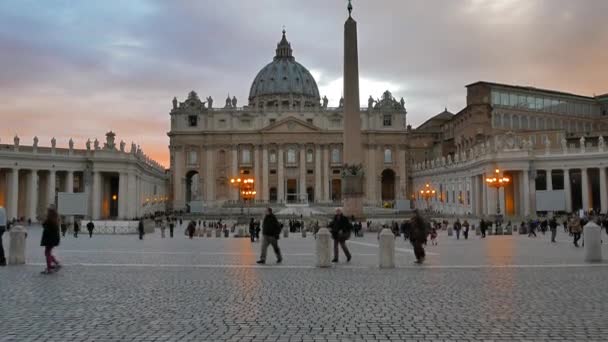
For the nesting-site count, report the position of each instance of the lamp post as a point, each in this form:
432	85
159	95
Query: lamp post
497	181
427	193
246	188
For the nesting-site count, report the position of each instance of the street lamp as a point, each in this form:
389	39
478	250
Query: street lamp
246	188
497	182
427	193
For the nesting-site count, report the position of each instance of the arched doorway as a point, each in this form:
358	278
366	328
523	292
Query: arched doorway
193	189
388	185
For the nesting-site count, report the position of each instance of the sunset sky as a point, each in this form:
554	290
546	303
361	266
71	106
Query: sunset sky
80	68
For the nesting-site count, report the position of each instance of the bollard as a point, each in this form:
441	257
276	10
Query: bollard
241	232
450	231
498	230
285	232
387	249
477	230
226	233
303	233
16	254
593	242
323	249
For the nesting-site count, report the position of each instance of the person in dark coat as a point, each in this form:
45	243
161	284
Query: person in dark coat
90	227
3	228
465	229
64	228
171	226
140	229
271	229
50	239
483	226
191	229
76	228
553	228
457	228
340	229
252	230
418	235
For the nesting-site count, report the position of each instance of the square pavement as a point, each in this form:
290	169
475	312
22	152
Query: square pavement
118	288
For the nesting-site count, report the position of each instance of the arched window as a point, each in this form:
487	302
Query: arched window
272	157
246	156
309	156
291	156
335	155
388	155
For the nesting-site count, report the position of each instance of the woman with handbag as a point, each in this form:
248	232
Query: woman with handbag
340	232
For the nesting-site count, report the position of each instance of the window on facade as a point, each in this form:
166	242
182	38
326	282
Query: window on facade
468	197
309	172
271	121
291	156
388	155
273	172
336	172
309	156
335	156
309	121
272	157
192	157
387	120
246	156
192	120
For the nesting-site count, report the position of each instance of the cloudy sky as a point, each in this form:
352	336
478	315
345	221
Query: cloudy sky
77	69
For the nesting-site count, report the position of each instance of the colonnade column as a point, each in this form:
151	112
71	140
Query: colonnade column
50	192
265	174
131	195
234	169
280	177
402	175
32	195
585	188
549	180
603	191
13	196
567	190
526	191
326	173
69	182
318	171
209	174
96	202
302	182
122	196
256	171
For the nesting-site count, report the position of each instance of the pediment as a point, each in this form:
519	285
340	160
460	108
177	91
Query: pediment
291	125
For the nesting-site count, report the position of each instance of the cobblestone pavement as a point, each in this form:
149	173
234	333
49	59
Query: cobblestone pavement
117	288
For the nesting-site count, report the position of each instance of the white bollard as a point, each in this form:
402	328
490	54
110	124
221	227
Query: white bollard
285	232
241	232
323	249
450	231
593	242
16	254
387	249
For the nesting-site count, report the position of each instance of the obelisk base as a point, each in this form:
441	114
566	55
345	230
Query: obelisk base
353	206
352	192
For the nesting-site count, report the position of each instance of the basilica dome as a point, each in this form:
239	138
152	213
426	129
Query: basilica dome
284	83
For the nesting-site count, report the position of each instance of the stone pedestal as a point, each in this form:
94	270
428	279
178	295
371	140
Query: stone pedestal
285	232
323	249
16	251
386	252
593	242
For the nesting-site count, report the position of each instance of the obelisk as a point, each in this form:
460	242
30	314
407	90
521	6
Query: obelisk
352	174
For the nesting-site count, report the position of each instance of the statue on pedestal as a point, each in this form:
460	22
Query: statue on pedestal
96	144
71	144
175	103
53	142
228	102
35	141
88	144
325	101
547	145
133	148
402	102
234	102
341	104
370	103
582	143
110	145
601	144
564	145
122	146
16	140
209	102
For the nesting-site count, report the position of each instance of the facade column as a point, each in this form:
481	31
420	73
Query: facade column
178	178
280	177
302	182
326	179
131	196
69	182
567	190
256	171
122	196
402	194
265	174
318	171
32	195
549	180
585	189
484	196
525	193
603	191
210	176
96	202
50	192
234	170
13	197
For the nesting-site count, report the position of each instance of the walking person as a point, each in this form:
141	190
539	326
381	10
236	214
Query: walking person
171	227
575	229
418	236
483	226
191	229
140	228
50	239
90	227
64	227
252	230
457	228
271	229
163	227
3	228
76	228
553	228
340	232
532	227
465	229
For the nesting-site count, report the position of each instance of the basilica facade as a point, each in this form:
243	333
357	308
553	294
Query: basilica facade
286	138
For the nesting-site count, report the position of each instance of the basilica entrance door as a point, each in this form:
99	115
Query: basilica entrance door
292	190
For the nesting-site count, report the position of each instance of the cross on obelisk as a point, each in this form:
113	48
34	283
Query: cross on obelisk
352	174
